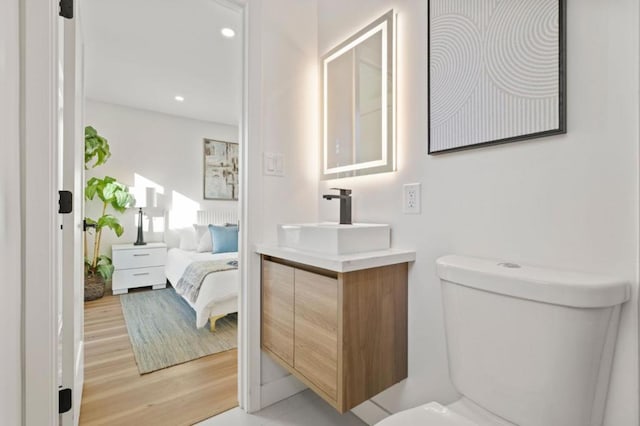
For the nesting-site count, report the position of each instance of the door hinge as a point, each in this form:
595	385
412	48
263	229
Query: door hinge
65	399
65	202
66	9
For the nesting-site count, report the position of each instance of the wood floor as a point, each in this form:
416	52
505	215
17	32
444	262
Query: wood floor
116	394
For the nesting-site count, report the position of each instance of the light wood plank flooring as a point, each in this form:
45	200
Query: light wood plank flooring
116	394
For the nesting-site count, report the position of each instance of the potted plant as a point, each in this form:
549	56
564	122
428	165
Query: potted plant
113	195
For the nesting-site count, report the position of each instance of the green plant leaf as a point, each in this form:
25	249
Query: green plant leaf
116	194
104	267
89	131
111	222
95	186
118	229
105	189
96	148
122	200
108	191
105	271
101	157
90	192
93	181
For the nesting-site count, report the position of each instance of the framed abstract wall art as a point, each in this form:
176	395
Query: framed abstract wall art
496	72
220	170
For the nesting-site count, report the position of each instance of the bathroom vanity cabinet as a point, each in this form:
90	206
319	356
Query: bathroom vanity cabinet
344	334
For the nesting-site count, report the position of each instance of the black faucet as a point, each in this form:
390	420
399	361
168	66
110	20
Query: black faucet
345	204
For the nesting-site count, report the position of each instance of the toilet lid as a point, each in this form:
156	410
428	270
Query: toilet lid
431	414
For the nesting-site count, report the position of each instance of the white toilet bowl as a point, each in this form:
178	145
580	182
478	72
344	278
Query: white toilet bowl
431	414
461	413
529	346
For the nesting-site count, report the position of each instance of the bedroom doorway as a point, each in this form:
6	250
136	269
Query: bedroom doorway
167	96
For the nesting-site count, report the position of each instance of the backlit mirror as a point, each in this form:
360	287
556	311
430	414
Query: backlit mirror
358	103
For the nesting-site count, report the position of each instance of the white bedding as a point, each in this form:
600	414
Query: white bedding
219	292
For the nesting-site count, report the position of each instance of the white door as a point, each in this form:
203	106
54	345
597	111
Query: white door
50	332
71	286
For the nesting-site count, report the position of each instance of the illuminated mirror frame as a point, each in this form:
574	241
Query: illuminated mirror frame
386	24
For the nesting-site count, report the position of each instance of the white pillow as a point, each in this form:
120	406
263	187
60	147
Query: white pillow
188	239
172	238
203	236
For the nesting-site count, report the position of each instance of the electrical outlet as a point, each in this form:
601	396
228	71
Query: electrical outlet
411	198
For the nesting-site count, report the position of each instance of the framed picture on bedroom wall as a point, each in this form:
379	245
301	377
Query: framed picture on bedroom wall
220	170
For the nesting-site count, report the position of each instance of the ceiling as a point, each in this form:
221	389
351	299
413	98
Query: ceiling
144	53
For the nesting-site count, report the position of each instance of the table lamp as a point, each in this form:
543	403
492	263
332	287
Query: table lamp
145	198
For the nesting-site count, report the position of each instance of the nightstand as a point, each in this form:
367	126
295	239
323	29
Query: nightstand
138	266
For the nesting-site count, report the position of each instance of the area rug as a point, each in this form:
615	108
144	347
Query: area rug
162	329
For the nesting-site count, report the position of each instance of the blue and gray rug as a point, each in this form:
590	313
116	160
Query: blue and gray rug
162	329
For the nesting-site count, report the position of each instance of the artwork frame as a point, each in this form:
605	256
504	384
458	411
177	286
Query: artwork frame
220	170
545	102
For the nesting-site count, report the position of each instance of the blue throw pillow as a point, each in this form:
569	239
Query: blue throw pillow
225	238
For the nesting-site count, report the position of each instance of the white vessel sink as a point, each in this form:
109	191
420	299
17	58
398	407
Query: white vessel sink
335	239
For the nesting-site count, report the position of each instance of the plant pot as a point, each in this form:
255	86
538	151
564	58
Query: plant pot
93	287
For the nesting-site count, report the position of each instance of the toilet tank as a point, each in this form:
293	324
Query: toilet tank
532	345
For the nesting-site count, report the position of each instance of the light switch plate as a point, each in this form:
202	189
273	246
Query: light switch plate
273	164
411	198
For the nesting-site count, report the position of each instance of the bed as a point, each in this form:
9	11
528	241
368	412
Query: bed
218	294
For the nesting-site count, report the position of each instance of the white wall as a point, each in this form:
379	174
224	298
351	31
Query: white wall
165	149
283	101
10	223
567	201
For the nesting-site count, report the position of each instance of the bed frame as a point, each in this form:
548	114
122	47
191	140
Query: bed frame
217	216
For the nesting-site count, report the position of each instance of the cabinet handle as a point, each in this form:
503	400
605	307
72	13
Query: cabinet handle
141	254
140	274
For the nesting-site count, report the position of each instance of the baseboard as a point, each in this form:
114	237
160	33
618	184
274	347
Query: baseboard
280	389
370	413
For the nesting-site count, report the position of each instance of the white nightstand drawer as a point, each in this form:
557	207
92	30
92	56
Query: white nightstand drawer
142	277
139	258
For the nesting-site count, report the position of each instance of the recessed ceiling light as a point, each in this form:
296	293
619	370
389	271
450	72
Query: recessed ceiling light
179	98
228	32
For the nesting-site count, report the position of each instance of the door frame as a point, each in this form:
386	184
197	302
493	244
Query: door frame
249	376
39	132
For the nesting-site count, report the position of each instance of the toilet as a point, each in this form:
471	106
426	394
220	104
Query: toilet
527	346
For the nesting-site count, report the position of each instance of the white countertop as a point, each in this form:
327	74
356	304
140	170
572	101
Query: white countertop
340	263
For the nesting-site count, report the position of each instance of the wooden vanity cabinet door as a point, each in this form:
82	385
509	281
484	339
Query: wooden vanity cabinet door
277	309
316	330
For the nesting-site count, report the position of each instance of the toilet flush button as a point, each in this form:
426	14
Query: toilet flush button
509	265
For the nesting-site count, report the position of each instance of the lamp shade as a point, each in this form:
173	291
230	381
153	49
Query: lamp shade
145	196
